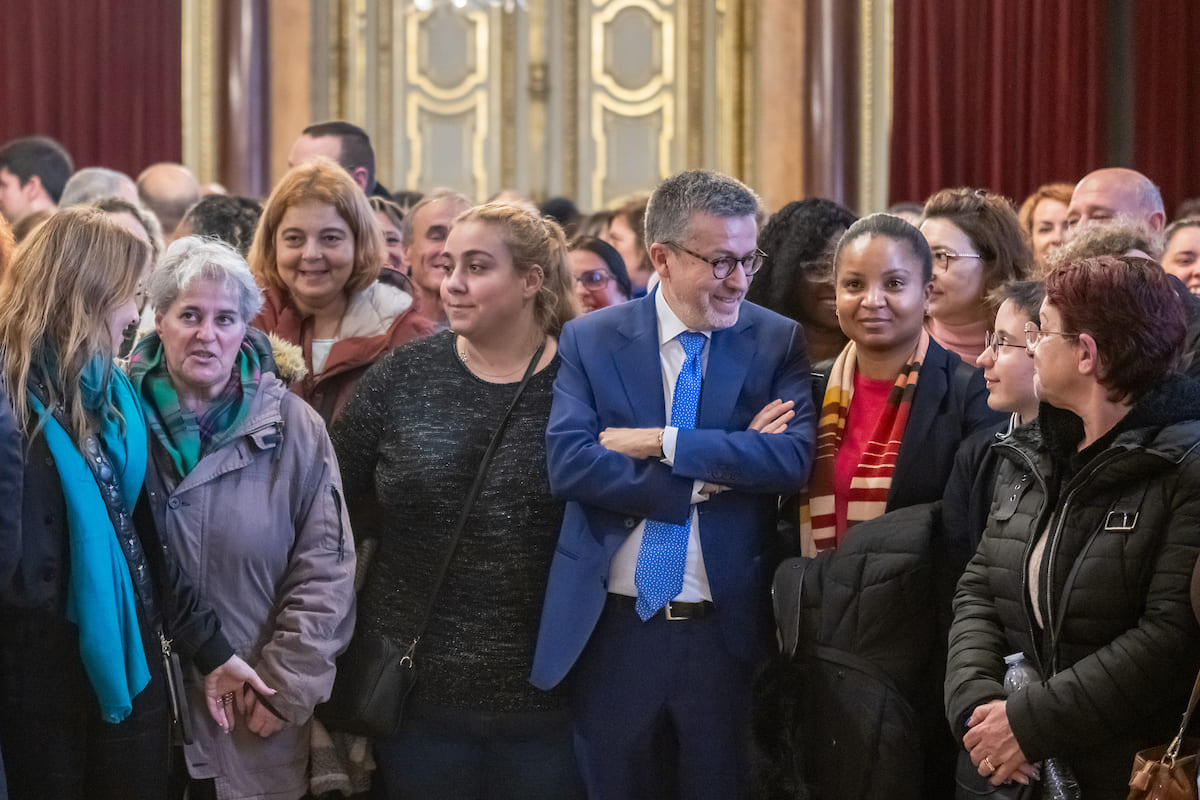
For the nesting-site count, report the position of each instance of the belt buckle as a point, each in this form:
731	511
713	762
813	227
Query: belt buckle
670	616
1120	521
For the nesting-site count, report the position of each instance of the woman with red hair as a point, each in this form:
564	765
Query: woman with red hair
1086	561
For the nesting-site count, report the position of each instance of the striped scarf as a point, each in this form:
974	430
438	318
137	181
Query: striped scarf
873	477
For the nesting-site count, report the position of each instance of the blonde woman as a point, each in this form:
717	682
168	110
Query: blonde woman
410	444
92	595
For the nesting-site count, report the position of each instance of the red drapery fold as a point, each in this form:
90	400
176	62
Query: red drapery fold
1000	94
1167	109
103	77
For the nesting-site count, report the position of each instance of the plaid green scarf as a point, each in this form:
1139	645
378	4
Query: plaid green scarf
186	437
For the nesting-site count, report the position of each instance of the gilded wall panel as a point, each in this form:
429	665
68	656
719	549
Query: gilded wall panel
594	99
633	97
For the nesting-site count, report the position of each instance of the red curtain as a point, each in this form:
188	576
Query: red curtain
1167	109
1000	94
100	76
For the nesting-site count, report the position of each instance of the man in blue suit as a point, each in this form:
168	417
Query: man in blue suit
678	419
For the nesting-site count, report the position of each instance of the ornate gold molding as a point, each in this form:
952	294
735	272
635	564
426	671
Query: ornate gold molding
416	77
665	77
664	104
477	101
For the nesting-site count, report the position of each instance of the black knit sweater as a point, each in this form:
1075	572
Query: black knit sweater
409	444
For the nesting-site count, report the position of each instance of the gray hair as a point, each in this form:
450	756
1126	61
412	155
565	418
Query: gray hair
677	198
1110	237
96	183
144	216
407	224
194	258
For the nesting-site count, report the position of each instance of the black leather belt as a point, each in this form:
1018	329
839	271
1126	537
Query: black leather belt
673	611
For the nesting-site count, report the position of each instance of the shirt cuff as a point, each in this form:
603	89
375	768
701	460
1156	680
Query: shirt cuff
668	446
669	434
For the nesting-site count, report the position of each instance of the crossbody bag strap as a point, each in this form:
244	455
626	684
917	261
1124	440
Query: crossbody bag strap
1177	742
472	495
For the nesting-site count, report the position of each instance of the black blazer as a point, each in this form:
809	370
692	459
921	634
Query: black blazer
950	404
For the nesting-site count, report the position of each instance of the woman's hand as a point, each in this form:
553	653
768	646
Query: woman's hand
991	738
774	417
260	719
224	684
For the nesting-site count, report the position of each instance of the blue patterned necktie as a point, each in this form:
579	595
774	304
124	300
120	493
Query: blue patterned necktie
661	559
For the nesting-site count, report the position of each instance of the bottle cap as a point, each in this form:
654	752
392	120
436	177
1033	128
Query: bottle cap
1014	658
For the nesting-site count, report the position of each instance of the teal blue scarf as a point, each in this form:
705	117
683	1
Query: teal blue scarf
100	596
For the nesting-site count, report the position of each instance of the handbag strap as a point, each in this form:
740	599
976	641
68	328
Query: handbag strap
1177	742
472	494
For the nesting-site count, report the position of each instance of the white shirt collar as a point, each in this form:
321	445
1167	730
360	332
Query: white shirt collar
669	325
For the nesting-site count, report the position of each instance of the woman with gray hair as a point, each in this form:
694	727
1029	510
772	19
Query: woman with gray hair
245	488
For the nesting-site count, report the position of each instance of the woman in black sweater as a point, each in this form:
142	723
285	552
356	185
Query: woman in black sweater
410	443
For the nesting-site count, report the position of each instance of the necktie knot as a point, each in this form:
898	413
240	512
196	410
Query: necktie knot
692	343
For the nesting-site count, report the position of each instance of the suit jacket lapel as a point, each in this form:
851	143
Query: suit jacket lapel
638	364
932	384
730	354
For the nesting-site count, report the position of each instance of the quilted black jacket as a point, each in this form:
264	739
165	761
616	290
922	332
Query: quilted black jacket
1120	647
850	711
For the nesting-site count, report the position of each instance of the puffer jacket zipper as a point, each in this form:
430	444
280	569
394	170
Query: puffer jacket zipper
1042	519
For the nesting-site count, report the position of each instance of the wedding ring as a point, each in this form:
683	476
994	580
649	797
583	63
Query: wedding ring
227	698
987	764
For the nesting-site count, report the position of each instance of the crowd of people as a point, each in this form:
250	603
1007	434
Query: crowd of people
564	456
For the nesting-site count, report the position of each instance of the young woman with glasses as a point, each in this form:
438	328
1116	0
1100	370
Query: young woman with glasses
1008	372
977	245
601	279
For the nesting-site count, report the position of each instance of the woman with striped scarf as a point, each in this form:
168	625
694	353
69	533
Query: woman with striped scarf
895	405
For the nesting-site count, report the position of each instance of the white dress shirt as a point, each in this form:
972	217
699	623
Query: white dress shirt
624	563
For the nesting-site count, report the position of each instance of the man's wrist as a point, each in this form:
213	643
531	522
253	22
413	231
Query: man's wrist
661	452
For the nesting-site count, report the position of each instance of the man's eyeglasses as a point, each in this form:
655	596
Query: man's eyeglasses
942	258
1034	334
991	342
594	279
722	267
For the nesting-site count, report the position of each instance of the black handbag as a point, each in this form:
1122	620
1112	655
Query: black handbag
374	678
376	674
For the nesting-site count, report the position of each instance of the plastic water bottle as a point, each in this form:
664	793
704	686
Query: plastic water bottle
1058	781
1020	673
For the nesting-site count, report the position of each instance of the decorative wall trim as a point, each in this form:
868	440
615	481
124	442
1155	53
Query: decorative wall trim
199	88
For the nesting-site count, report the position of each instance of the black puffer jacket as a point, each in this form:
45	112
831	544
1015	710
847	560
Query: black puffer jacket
850	710
1121	647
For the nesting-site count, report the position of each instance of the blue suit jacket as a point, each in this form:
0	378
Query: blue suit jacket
611	376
